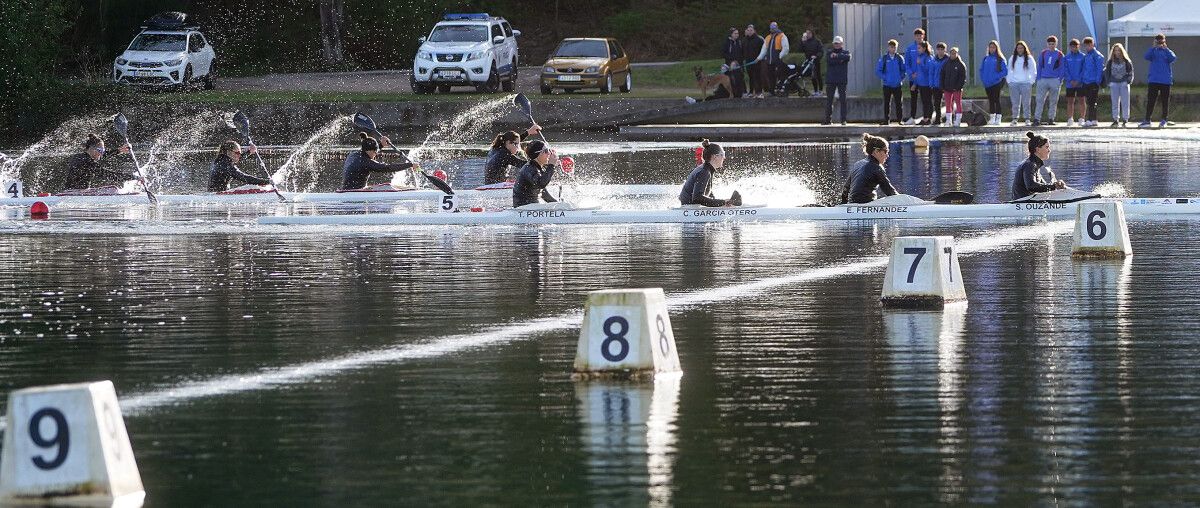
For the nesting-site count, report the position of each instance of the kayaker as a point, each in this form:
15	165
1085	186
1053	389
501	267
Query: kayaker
868	174
1028	179
535	175
86	169
360	164
224	169
697	189
505	153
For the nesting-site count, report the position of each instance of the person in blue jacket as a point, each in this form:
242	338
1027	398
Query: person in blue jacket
992	71
1160	79
1091	74
919	68
1050	74
913	75
933	76
890	70
1074	78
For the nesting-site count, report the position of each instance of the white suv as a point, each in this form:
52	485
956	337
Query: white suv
167	52
467	50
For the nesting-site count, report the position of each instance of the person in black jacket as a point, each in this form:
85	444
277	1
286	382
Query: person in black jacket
224	169
506	153
836	79
734	55
697	189
813	50
1028	179
360	164
535	175
752	45
85	170
868	174
953	79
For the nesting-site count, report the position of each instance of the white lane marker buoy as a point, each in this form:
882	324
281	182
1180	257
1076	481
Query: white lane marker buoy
67	444
13	189
1100	231
626	333
448	204
923	272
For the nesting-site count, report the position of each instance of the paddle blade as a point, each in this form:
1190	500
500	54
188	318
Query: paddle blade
523	102
567	164
438	182
365	123
121	124
241	122
735	199
954	198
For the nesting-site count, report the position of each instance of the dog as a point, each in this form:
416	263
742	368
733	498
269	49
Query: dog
705	82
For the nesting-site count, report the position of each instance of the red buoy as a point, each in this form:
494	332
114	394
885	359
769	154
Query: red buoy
699	155
568	164
440	175
39	210
476	208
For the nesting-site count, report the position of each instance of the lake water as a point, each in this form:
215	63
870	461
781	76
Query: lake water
431	366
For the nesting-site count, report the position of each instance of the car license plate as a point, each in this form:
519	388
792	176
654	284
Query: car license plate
568	77
143	74
450	75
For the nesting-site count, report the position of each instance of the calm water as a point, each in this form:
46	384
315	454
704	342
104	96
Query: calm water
423	366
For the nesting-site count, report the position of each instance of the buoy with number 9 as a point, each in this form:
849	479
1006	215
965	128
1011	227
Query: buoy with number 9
626	333
923	272
39	210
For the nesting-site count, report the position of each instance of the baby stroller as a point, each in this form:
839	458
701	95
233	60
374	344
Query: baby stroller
795	80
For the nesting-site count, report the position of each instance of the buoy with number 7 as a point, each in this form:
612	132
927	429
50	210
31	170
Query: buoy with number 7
1100	231
923	272
626	333
66	444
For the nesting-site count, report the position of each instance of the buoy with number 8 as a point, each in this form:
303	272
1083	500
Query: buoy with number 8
923	272
626	333
1100	231
67	444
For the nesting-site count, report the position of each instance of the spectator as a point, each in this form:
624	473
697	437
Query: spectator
1118	72
1092	74
890	70
1021	77
734	58
757	72
1073	63
992	72
911	74
1160	79
954	78
919	67
934	73
839	60
814	50
775	49
1050	73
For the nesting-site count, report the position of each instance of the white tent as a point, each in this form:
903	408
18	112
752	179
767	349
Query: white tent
1169	17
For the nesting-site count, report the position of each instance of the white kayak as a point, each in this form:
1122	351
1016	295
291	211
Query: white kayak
377	194
894	207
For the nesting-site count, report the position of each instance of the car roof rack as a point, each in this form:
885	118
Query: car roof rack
470	16
170	20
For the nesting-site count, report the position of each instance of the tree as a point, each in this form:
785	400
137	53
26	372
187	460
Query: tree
333	15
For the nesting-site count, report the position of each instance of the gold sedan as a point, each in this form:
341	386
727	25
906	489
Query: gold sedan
587	63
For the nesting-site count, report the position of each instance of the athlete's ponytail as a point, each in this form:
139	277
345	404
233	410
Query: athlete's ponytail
1036	141
710	149
871	143
369	144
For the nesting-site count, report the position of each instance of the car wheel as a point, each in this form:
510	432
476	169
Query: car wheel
493	83
208	78
187	78
607	86
443	88
547	90
628	86
511	84
418	88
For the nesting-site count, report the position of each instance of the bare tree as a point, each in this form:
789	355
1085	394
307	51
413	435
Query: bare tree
333	15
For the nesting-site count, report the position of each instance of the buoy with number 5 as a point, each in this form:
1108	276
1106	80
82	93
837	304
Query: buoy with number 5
923	272
626	333
66	444
1100	231
39	210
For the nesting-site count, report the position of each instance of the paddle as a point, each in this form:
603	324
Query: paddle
523	102
242	124
121	125
365	123
954	198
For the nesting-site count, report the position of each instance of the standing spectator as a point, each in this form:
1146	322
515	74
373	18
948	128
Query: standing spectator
775	49
919	68
734	58
814	50
1092	75
934	73
1118	72
1160	79
954	78
911	72
890	70
839	60
1050	74
1022	73
992	72
1074	77
756	72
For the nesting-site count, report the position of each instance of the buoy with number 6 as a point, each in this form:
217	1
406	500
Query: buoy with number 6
626	333
923	272
66	444
1100	231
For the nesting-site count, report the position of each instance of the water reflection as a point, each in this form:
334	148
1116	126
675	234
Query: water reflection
629	434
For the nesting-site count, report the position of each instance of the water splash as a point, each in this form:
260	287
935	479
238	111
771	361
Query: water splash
299	172
1111	190
66	139
771	189
467	126
162	165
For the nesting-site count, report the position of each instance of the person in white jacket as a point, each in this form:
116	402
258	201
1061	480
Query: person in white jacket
775	49
1022	74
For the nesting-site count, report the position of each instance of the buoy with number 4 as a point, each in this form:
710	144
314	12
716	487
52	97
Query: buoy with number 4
923	272
39	210
1100	231
66	444
626	333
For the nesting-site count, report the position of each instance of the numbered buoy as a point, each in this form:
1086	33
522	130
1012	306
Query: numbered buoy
626	333
67	443
923	272
921	142
39	210
13	189
449	203
1100	231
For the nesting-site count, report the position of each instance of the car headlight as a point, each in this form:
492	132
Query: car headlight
592	70
476	55
548	70
122	61
424	55
173	63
